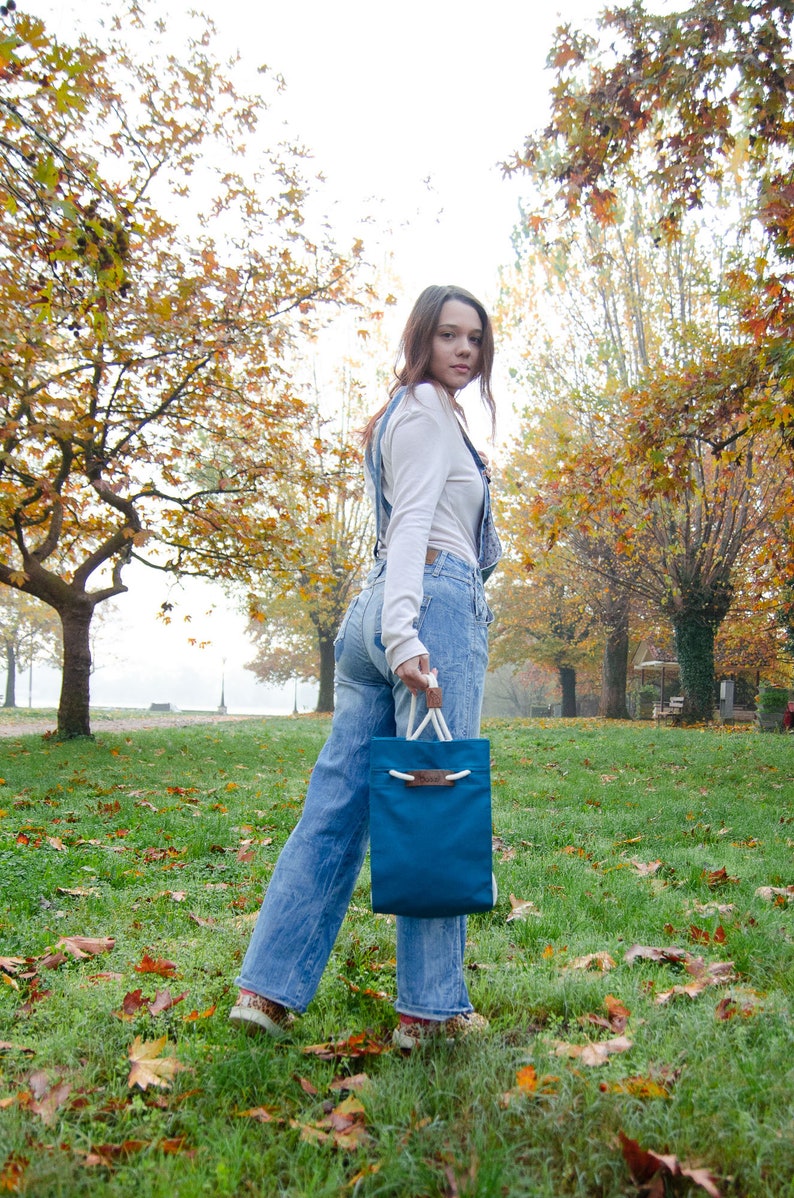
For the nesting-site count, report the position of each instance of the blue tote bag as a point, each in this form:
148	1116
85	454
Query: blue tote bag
430	822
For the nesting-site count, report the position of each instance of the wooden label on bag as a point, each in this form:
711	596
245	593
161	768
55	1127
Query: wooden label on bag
430	778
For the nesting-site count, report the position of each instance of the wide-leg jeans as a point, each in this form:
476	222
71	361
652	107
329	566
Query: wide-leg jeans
316	872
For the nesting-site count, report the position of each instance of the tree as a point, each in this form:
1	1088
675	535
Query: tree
679	104
544	618
298	613
29	632
155	272
645	483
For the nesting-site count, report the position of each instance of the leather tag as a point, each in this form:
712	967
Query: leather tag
430	778
433	696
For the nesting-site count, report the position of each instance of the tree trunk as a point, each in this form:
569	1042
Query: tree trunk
568	687
694	642
74	707
325	699
614	667
11	677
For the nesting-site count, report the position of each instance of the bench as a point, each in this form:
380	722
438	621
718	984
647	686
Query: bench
675	705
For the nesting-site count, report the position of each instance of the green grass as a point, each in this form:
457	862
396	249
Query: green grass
169	827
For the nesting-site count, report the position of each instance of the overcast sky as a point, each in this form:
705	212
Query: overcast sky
408	109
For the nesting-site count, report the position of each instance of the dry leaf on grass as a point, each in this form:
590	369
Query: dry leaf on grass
85	946
46	1099
522	909
602	961
360	1045
648	1169
158	965
148	1067
771	893
595	1053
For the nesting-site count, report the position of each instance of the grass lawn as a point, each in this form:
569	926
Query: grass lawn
131	870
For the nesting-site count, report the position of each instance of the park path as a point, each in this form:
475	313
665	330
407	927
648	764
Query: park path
9	727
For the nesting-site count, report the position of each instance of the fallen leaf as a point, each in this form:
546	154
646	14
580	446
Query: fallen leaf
79	891
147	964
651	953
645	868
12	1174
163	1001
85	946
770	893
717	877
148	1067
46	1103
196	1015
56	843
644	1165
601	961
522	909
359	1045
527	1079
106	1155
202	923
359	1081
261	1114
637	1087
597	1052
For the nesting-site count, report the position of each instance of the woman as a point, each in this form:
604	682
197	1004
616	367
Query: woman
422	602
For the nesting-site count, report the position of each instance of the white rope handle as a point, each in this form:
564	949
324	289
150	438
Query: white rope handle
433	716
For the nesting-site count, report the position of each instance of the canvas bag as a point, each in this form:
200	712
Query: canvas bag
430	821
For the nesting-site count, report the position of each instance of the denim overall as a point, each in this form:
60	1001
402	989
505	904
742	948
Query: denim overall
313	880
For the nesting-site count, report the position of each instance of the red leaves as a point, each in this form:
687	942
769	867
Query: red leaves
133	1002
163	968
649	1170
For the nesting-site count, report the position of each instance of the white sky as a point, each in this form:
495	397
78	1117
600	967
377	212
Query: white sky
408	109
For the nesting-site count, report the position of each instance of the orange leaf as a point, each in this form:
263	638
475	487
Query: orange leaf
527	1079
147	964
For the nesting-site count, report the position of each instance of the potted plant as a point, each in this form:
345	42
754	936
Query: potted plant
771	706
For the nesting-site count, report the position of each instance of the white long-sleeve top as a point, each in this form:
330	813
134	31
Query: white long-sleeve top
436	491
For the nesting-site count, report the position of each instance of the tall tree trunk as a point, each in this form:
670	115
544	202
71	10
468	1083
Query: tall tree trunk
568	687
614	667
694	642
11	676
74	706
325	699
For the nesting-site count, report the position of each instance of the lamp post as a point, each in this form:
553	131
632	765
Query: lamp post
222	704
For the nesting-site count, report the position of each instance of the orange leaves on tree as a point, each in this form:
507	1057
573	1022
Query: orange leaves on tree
650	1169
148	1067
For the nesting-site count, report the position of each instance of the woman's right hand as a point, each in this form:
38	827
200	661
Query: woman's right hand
414	673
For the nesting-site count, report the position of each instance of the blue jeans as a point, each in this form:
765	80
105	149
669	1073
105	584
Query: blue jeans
313	881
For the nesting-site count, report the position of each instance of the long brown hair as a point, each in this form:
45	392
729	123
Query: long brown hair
416	348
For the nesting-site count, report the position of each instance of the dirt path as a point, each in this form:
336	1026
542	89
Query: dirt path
11	727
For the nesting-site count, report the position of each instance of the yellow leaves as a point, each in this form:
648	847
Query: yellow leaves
148	1067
